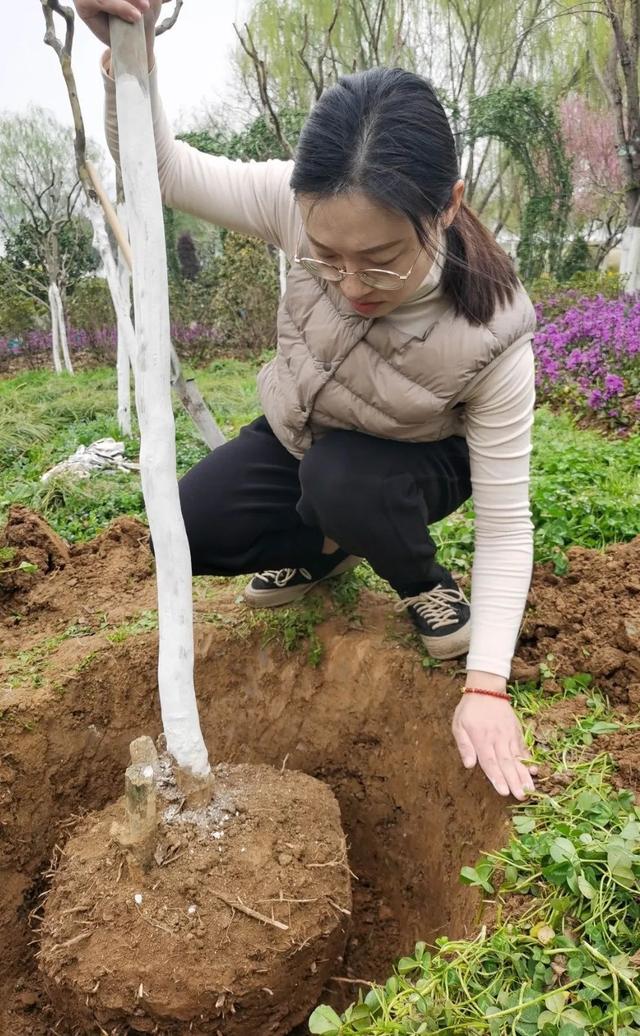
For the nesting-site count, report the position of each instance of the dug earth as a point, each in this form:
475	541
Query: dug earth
368	724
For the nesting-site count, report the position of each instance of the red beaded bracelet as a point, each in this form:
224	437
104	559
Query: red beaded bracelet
492	694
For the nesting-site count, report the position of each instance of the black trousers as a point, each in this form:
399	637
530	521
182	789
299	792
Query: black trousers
250	506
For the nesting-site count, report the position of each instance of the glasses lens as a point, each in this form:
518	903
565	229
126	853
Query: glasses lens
382	280
323	270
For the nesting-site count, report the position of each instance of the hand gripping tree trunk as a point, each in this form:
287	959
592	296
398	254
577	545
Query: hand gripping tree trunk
153	401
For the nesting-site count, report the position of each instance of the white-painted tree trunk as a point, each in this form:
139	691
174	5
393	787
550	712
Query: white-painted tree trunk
123	364
283	272
630	258
153	400
121	298
62	328
55	331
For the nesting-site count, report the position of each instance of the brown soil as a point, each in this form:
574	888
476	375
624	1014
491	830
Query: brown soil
370	721
586	621
165	949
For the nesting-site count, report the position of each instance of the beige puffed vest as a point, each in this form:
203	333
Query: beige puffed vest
335	369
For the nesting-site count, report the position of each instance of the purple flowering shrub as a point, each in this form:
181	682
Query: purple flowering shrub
194	342
588	356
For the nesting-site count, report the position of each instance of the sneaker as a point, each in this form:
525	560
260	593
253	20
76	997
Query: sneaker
283	585
442	617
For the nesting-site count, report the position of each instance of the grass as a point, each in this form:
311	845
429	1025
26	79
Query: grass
585	488
563	958
44	418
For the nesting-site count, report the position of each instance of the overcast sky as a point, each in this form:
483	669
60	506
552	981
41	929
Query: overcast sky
193	61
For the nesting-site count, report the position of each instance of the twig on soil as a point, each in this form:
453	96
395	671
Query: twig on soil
352	981
340	861
74	910
154	924
283	899
70	942
239	905
284	763
172	859
336	906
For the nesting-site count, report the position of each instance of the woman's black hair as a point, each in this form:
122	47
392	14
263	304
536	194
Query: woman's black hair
384	132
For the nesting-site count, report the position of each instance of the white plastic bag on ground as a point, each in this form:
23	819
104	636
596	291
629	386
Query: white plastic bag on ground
103	455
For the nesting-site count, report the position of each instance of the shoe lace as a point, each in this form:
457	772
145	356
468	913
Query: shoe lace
436	606
282	576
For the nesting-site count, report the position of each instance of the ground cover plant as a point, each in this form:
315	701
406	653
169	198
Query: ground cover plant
560	952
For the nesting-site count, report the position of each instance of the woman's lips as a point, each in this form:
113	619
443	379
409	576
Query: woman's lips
365	307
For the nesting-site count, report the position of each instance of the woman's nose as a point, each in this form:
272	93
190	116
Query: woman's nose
353	289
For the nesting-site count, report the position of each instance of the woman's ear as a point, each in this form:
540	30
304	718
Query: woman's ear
453	207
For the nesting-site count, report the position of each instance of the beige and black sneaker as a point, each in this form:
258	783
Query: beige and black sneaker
284	585
442	617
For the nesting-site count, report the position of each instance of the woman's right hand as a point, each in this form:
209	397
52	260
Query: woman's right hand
95	13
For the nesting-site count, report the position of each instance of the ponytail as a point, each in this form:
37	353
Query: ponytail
478	274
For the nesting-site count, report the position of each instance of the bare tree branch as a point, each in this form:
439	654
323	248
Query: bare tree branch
260	70
169	22
64	57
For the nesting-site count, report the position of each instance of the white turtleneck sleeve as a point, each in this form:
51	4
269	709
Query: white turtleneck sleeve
499	420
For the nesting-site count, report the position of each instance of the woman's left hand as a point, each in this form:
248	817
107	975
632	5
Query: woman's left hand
488	732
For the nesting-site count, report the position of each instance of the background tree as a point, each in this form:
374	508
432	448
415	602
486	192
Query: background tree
619	79
40	193
471	51
599	210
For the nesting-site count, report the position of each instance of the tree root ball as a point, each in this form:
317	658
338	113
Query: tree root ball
233	929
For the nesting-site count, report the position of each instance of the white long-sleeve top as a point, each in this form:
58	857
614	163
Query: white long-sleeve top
254	198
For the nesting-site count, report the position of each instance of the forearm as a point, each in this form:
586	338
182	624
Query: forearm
499	438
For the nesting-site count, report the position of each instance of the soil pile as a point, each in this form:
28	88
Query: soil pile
587	621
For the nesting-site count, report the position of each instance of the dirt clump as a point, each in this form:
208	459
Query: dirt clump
587	620
236	926
624	747
26	537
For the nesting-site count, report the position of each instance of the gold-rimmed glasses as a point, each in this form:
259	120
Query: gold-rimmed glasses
384	280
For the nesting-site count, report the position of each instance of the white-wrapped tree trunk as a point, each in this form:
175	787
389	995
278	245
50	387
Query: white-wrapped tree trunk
124	329
62	328
630	258
120	291
153	401
55	332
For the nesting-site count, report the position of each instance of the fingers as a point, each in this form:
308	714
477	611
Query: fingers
129	10
516	776
465	746
519	751
489	763
505	771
